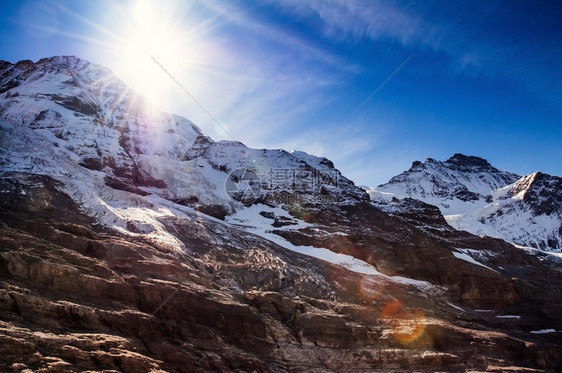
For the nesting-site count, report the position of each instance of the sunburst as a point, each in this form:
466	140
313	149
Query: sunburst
152	45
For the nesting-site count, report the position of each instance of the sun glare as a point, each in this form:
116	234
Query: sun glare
152	43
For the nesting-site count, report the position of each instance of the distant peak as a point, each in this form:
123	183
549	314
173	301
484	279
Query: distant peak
416	164
539	175
462	160
46	60
24	64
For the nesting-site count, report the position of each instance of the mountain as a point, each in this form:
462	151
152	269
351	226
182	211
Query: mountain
132	242
476	197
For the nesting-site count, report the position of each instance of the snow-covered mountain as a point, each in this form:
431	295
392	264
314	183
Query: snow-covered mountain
77	122
130	241
476	197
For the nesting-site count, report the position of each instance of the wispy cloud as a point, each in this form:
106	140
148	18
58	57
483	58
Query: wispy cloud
254	77
261	83
269	33
266	82
463	31
359	19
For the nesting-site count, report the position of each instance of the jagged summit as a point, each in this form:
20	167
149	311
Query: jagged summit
13	74
461	177
477	197
466	163
541	192
461	162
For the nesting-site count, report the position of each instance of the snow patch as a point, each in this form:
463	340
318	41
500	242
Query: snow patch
250	219
465	254
543	331
456	307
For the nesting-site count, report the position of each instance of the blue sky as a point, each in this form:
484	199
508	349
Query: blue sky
478	77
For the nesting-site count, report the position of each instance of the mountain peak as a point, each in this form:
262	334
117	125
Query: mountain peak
461	177
477	197
540	191
66	71
458	162
465	162
54	60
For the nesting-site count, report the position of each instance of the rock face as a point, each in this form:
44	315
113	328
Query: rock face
478	198
461	177
121	249
541	192
77	296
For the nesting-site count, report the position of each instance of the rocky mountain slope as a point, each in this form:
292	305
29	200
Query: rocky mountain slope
132	242
476	197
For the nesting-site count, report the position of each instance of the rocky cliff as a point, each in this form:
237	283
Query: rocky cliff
132	242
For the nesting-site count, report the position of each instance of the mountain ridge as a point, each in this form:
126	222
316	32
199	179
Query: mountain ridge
475	196
131	241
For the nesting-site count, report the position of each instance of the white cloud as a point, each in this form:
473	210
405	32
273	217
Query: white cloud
272	34
354	20
464	31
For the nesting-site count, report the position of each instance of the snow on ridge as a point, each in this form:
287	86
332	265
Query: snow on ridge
250	219
86	106
317	162
543	331
483	200
465	254
456	307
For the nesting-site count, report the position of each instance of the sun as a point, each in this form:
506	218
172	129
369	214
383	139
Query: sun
151	48
163	49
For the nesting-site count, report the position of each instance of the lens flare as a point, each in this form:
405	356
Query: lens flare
371	287
407	326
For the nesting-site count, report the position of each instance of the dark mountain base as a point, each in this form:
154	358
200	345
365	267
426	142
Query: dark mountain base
76	297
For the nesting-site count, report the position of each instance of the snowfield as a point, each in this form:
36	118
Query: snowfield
475	197
83	127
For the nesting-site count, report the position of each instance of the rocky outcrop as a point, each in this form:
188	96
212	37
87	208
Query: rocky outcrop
74	296
541	192
463	163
